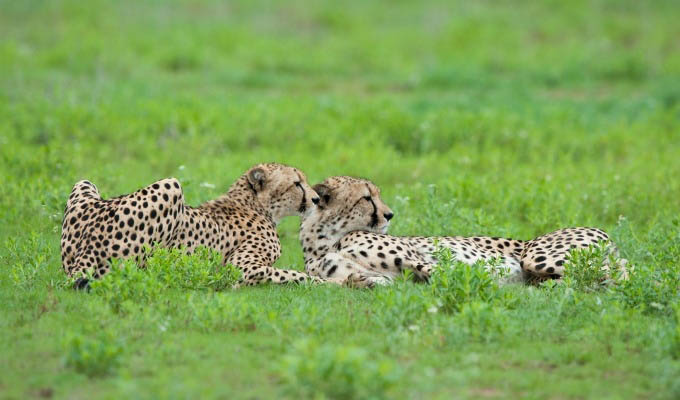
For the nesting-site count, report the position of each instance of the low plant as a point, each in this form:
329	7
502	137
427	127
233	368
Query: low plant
402	303
203	269
454	284
654	284
592	268
337	371
675	342
127	284
217	312
480	320
29	261
93	356
655	290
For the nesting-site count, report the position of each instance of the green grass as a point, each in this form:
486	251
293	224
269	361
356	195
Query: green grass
486	117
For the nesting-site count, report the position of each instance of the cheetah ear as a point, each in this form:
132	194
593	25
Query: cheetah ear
256	178
324	192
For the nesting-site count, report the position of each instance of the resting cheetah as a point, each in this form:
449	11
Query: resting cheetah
240	224
346	234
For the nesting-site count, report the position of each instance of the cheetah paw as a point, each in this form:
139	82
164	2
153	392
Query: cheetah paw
365	282
82	284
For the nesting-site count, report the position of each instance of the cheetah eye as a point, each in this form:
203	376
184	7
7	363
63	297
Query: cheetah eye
367	198
298	184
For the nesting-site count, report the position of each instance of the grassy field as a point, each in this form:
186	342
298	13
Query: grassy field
504	118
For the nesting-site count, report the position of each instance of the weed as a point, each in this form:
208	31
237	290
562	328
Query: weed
675	341
401	304
655	290
216	312
127	285
454	283
203	269
591	268
93	356
480	321
30	262
335	371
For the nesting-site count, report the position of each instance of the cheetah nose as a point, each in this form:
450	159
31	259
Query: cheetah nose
315	200
388	216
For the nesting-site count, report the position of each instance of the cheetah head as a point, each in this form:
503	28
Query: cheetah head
283	190
348	204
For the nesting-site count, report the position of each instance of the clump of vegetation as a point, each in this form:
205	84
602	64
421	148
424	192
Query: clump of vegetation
402	303
654	283
454	284
592	268
675	344
654	290
93	356
29	262
313	370
127	285
201	270
480	320
216	312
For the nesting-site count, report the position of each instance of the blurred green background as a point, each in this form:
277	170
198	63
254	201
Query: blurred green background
508	118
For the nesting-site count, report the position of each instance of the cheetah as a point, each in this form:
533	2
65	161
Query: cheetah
346	234
240	224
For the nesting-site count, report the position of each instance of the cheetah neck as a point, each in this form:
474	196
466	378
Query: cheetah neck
318	238
241	194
